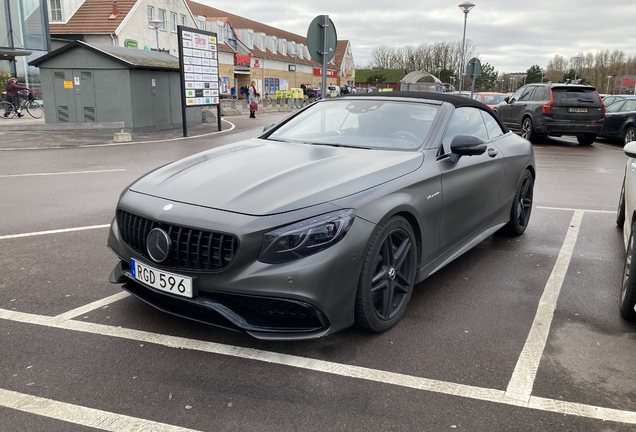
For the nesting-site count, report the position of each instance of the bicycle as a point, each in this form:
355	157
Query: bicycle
27	101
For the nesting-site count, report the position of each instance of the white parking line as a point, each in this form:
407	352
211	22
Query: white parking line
89	307
574	210
65	230
522	381
380	376
60	173
80	415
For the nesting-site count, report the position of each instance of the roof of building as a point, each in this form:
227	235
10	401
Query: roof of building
93	16
341	50
133	58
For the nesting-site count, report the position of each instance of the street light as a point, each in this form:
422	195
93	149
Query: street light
156	23
542	73
465	7
609	77
524	78
294	55
577	59
452	83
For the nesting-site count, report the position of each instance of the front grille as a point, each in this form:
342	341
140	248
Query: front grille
192	249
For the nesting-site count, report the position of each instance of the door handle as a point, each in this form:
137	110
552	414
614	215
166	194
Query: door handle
492	152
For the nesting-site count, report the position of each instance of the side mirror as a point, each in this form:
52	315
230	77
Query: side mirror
507	99
268	126
467	145
630	149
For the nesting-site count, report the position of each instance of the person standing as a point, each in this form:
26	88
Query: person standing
12	95
252	95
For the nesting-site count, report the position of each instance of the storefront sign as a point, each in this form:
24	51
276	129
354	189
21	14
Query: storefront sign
330	73
130	43
257	63
291	68
242	60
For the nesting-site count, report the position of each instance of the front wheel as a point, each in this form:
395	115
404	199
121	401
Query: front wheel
628	289
586	139
6	110
629	135
34	109
521	205
387	277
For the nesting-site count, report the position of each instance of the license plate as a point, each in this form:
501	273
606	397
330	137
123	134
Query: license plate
162	280
577	109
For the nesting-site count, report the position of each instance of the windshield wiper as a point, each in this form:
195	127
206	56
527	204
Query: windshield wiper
337	145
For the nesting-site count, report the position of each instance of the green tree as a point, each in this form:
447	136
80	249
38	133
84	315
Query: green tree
534	74
376	78
570	76
487	79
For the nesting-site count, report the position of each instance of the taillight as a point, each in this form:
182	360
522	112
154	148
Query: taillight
547	108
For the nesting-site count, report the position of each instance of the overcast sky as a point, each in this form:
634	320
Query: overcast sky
511	35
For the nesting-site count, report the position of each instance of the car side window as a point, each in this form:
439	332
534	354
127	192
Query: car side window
465	121
527	94
614	107
541	94
630	105
493	128
518	94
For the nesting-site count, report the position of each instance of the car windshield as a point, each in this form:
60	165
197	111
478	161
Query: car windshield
575	95
363	123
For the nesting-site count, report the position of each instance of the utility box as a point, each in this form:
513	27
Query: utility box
92	83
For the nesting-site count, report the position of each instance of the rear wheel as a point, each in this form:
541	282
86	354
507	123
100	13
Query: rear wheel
387	277
527	130
586	139
620	213
6	110
34	109
521	205
628	289
629	135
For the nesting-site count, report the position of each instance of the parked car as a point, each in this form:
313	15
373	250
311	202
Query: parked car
626	218
328	218
620	121
489	98
610	99
541	109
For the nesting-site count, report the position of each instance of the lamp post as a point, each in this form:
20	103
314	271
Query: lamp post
542	73
294	55
452	83
577	59
524	78
156	23
465	7
609	77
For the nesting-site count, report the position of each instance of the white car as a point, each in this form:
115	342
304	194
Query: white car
626	218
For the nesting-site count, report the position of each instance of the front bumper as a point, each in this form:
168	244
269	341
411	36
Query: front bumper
302	299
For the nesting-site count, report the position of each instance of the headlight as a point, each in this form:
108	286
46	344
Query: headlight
306	237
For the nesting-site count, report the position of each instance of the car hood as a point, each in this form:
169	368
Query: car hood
260	177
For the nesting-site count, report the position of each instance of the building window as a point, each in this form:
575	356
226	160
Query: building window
151	15
301	51
284	47
250	39
263	42
201	22
274	44
219	32
56	10
293	48
183	20
162	17
173	21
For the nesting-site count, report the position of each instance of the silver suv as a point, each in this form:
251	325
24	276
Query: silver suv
537	110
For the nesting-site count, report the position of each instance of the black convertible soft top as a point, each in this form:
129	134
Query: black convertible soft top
457	101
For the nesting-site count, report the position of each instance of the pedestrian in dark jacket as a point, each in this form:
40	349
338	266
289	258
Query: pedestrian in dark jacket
12	95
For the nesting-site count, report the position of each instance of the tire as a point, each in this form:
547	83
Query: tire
620	212
34	109
387	276
521	205
6	110
628	289
527	129
629	135
586	139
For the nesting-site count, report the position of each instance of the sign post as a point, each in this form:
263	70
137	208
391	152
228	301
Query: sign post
199	64
473	70
321	41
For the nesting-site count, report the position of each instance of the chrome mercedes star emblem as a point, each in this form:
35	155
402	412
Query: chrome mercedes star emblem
158	244
392	273
167	207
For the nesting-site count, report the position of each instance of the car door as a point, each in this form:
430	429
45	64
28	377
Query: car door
520	107
505	110
471	185
614	119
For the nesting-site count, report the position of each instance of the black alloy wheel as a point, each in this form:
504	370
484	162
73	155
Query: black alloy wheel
387	277
620	213
521	205
628	289
586	139
629	135
527	130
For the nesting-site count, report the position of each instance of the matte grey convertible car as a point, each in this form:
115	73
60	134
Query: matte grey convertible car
328	218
